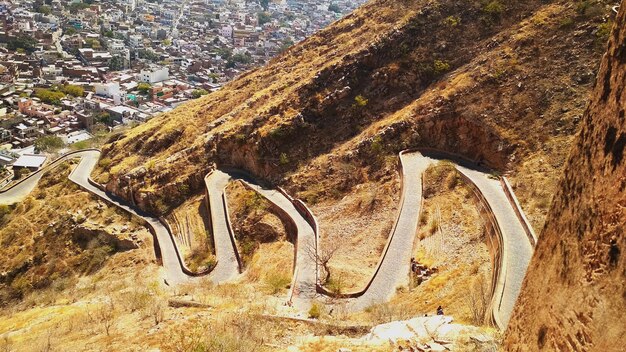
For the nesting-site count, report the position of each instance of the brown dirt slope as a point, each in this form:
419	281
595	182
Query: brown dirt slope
495	80
574	296
58	235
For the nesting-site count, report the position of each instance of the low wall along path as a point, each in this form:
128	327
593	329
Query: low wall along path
515	239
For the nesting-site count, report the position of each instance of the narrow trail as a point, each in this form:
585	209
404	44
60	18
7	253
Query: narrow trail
175	271
392	271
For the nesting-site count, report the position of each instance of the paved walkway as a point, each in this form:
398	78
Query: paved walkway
305	276
174	269
393	269
517	249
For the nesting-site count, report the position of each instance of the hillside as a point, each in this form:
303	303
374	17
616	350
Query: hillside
504	83
580	254
490	82
47	250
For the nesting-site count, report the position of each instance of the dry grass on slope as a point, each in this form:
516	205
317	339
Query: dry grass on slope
190	224
573	296
511	94
254	221
515	105
450	238
58	234
257	93
321	93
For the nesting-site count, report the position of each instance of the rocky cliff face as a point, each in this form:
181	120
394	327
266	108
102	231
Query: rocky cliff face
574	296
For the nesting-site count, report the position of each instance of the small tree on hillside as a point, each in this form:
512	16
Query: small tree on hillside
478	300
322	258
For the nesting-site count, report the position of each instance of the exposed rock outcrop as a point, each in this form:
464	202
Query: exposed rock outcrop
574	296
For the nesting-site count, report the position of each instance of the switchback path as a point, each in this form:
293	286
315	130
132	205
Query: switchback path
393	268
515	248
175	272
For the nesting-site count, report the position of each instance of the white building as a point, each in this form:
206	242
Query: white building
135	40
154	75
24	26
108	89
227	32
130	5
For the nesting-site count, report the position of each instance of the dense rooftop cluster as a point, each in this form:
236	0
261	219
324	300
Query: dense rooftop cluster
75	68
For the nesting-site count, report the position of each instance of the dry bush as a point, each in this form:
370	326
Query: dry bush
104	315
156	309
477	299
322	257
385	312
239	332
138	299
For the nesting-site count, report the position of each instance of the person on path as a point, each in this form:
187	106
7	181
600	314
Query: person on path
414	265
439	310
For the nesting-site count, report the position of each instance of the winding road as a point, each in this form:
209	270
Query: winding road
175	271
393	268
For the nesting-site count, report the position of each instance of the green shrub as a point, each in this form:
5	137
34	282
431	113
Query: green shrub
583	6
283	159
277	281
49	96
81	145
49	143
143	87
604	30
335	285
160	206
183	188
73	90
277	132
197	93
20	287
441	66
452	21
493	8
315	312
376	146
360	101
253	201
567	22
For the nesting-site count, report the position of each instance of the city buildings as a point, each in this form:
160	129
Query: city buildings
68	68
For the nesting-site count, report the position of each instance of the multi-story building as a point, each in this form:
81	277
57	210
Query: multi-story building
154	74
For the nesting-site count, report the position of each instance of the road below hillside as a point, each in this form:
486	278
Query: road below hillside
517	249
392	271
